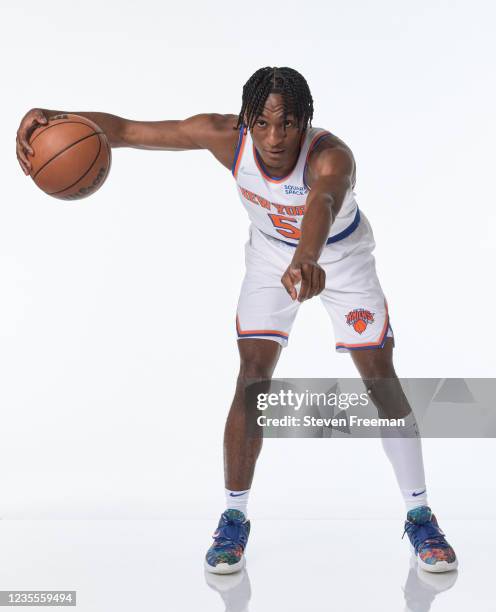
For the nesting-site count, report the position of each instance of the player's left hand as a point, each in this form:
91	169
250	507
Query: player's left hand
311	276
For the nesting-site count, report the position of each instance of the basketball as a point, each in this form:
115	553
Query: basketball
71	157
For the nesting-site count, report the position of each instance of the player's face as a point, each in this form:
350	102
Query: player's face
277	141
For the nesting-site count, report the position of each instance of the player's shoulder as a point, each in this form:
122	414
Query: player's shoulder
328	142
219	134
330	156
224	122
330	151
224	125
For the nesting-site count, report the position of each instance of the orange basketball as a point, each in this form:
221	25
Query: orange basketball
71	157
360	326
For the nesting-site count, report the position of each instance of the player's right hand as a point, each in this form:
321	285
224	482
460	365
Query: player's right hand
303	279
31	120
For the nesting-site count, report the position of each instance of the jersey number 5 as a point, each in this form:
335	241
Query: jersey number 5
284	227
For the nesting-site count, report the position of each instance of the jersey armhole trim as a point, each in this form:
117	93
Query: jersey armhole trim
238	154
347	230
316	139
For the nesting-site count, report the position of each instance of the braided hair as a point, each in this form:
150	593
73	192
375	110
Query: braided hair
293	87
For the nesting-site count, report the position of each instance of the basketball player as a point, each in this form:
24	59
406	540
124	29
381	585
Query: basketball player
307	237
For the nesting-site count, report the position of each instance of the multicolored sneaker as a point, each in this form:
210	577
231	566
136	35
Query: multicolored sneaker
226	555
433	552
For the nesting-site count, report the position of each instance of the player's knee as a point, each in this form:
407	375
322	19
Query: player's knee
375	365
380	381
387	395
379	371
252	370
258	359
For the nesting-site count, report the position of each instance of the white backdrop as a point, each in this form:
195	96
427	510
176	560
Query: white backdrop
118	354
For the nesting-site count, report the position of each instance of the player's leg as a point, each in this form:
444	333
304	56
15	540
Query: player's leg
358	309
404	450
242	444
401	444
265	315
258	358
354	299
264	318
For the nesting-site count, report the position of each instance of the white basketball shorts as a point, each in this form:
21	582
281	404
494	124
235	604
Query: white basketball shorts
353	296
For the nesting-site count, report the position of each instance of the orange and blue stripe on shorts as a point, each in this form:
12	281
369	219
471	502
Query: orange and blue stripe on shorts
248	333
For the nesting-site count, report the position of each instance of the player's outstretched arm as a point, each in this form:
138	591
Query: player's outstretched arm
205	131
330	179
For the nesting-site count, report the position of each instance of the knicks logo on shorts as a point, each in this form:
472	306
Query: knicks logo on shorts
360	318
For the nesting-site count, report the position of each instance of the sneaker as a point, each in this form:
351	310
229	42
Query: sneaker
226	555
433	552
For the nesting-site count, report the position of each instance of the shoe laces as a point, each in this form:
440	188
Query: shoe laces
230	532
428	533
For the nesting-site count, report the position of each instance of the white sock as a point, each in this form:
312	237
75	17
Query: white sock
403	446
237	500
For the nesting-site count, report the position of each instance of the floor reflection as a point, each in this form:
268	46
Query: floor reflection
421	588
234	589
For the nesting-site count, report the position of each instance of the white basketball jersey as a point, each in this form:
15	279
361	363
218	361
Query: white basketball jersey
276	205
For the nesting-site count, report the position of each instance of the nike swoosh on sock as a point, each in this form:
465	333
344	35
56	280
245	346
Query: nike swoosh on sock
416	494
